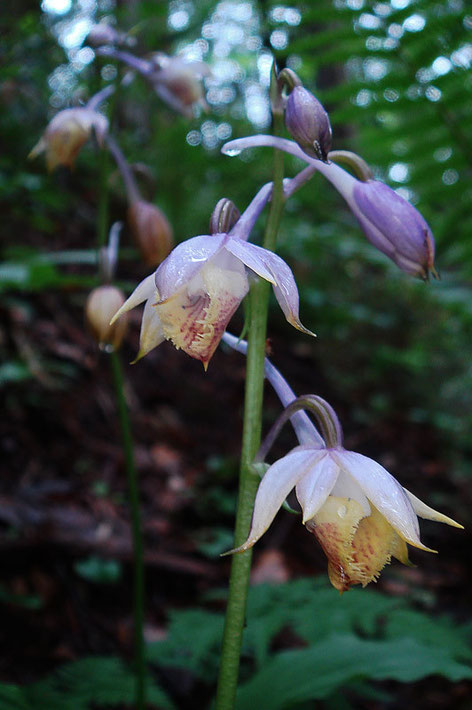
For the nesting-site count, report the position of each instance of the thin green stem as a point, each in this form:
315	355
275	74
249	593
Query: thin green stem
248	482
133	494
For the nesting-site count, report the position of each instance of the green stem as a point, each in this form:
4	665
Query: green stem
248	482
133	493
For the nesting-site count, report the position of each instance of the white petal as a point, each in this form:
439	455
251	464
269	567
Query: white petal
252	256
146	289
316	485
277	483
347	487
185	261
274	269
286	291
424	511
384	491
151	329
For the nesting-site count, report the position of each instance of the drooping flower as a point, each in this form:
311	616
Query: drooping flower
359	513
197	289
389	221
179	82
66	134
357	510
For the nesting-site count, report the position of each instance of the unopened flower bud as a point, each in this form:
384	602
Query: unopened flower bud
224	216
102	303
394	226
308	123
67	133
389	222
151	231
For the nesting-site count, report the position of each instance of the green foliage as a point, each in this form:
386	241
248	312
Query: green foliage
97	570
292	677
27	601
341	643
94	682
336	643
344	642
193	643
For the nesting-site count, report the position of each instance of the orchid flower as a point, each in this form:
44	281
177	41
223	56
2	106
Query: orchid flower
389	222
66	134
198	287
178	82
359	513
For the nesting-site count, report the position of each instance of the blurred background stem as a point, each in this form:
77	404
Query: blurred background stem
127	442
252	425
104	170
133	495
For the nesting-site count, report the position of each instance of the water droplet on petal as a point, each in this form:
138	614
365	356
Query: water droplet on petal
231	152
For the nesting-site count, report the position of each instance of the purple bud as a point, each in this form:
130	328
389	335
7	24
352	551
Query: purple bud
308	123
224	216
394	226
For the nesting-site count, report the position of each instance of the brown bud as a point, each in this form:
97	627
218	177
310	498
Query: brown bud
151	231
102	304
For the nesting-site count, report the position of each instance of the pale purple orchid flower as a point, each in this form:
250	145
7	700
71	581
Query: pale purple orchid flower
177	81
196	290
389	221
359	513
